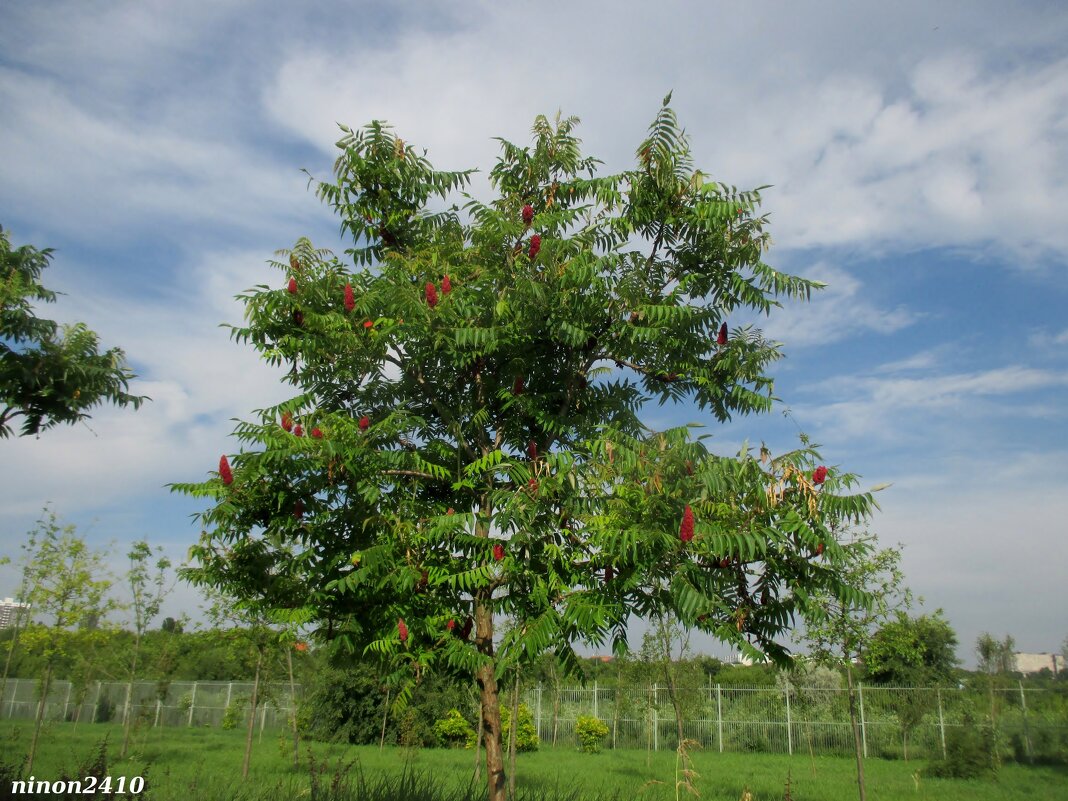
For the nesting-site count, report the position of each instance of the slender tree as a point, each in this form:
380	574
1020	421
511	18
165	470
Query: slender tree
147	591
848	622
72	587
49	374
465	441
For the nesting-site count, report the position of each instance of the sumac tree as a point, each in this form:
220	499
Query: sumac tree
465	439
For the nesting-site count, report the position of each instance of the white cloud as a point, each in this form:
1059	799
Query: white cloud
835	313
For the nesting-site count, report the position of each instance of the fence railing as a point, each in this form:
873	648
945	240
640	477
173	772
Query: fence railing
893	722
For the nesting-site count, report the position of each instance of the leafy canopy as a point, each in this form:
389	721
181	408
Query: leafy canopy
465	436
49	374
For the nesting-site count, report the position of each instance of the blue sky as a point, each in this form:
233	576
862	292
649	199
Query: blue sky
918	155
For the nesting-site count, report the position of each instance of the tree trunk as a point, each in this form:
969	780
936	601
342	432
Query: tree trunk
858	747
293	710
491	710
673	694
513	736
45	686
478	744
126	725
11	652
252	716
385	718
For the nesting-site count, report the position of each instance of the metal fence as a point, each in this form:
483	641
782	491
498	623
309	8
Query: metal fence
893	722
179	703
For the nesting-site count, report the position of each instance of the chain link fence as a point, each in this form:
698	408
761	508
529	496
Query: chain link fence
179	703
893	722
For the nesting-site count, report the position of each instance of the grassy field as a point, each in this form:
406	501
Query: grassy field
195	764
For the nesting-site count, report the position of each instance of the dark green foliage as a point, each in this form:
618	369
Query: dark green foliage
49	374
971	753
918	651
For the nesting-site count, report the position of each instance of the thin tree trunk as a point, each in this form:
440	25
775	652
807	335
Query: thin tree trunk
858	747
10	653
672	692
513	736
252	717
478	745
385	717
491	710
126	724
45	686
293	710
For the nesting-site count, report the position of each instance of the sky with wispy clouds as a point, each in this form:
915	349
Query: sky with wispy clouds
918	160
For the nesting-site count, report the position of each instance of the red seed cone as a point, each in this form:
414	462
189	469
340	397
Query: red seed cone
298	509
350	299
686	529
535	246
722	338
724	562
532	449
298	431
317	433
451	511
292	286
431	295
287	422
451	625
498	552
532	485
225	473
402	629
298	318
609	574
528	214
368	324
819	475
365	421
446	285
819	549
518	385
466	632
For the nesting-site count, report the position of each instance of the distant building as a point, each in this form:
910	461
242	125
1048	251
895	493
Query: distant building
9	609
1033	663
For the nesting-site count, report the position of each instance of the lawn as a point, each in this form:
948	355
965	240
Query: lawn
195	764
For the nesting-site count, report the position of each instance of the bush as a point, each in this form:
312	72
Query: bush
591	733
970	754
233	714
453	731
526	738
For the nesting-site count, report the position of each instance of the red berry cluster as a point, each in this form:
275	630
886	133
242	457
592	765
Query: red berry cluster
225	473
819	475
498	552
686	529
722	338
350	299
535	246
528	214
431	295
402	629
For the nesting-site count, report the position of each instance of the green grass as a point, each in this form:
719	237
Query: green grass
195	764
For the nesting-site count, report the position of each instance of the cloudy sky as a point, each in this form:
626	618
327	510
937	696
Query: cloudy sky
918	157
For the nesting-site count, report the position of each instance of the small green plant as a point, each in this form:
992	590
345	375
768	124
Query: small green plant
453	731
232	715
526	735
591	732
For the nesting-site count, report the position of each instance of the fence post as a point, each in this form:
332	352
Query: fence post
789	727
263	718
96	704
941	722
14	692
656	731
192	704
229	692
719	716
595	698
1027	730
159	704
538	707
863	730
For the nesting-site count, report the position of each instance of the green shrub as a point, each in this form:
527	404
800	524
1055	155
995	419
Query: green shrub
453	731
233	713
971	753
591	732
526	738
